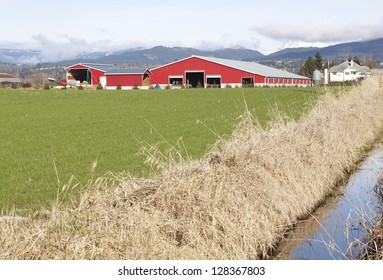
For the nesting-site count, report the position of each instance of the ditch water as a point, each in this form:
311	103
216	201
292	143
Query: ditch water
338	229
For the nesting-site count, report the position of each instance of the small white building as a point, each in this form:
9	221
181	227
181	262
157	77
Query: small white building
348	71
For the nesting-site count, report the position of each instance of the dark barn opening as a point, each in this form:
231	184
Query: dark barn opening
213	82
175	81
82	75
247	82
195	79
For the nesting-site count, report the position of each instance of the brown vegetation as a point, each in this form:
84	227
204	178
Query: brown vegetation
235	203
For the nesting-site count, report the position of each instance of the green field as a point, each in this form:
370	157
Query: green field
48	136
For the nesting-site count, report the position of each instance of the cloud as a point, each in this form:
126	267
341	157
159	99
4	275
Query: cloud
226	41
323	31
66	48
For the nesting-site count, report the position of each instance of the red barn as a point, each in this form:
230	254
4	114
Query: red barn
128	78
108	76
199	71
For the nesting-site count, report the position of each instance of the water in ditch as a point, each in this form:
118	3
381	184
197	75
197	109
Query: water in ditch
338	229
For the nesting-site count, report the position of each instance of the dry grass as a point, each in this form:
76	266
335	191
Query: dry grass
234	203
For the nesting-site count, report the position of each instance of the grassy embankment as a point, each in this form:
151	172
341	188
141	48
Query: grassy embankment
48	136
235	202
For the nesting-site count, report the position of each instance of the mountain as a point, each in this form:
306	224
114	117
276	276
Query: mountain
293	53
161	55
371	48
18	56
98	55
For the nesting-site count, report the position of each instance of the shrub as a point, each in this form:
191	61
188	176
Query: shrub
46	86
5	84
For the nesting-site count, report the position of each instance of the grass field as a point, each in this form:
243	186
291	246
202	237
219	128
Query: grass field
48	136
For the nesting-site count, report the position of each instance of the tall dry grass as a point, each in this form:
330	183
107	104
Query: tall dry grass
235	203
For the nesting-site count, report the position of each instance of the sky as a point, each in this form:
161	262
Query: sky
63	29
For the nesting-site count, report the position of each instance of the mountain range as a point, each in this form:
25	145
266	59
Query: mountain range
160	55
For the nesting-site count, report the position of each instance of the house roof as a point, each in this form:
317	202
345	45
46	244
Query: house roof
5	75
347	65
251	67
9	78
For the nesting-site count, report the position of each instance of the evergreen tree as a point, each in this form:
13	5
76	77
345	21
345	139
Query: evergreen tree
308	68
318	61
357	60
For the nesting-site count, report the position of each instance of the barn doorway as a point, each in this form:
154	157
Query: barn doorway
195	79
146	79
82	75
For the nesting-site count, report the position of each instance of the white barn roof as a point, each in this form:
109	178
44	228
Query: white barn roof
110	69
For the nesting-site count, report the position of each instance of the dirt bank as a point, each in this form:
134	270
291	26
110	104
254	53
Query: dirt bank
234	203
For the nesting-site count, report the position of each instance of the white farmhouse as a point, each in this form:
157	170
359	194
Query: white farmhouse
348	71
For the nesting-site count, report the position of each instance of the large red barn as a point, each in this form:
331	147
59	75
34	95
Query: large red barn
194	71
199	71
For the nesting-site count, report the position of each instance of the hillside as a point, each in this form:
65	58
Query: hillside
372	48
161	55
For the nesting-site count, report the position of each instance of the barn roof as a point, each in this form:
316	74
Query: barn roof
100	67
126	71
253	67
109	69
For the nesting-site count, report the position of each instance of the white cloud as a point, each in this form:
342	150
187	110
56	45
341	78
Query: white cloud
323	31
68	47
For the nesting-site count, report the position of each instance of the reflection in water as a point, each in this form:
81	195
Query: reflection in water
337	230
